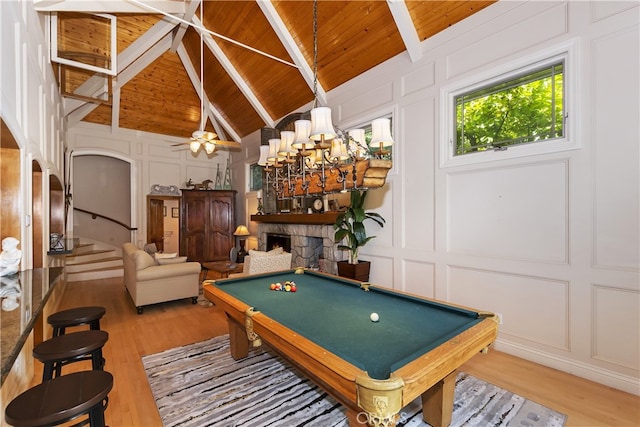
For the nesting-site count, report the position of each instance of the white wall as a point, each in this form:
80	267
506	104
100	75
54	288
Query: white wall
554	246
31	108
153	161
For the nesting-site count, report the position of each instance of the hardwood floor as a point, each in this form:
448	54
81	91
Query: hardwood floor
172	324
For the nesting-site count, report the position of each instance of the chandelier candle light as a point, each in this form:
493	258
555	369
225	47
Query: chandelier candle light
318	158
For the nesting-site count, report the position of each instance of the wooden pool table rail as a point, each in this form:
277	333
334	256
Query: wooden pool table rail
432	375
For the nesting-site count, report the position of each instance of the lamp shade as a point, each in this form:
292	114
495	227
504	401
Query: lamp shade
381	133
286	139
241	230
358	135
301	140
274	145
264	152
338	150
321	125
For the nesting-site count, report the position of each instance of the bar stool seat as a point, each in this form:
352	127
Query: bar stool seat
64	349
62	399
90	315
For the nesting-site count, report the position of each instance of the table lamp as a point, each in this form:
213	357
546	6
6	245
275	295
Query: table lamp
241	231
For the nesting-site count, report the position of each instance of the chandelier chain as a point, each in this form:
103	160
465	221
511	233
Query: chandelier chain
315	53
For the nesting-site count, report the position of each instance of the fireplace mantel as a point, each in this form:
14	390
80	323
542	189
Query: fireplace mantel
293	218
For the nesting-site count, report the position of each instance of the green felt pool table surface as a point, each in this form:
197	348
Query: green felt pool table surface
335	314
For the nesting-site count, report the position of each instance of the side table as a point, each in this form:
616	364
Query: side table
224	268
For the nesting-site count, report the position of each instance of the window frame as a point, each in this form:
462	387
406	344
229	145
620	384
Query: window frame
567	53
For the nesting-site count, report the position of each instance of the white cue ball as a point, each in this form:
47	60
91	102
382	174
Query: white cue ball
374	317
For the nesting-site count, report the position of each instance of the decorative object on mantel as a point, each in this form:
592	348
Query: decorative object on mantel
218	184
10	256
165	190
260	206
318	158
227	176
350	230
241	231
203	186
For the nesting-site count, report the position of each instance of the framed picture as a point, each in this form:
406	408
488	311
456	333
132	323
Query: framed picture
164	209
175	212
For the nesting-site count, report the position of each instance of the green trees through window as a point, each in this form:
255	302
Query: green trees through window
523	109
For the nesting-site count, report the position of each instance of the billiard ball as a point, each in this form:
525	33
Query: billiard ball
374	317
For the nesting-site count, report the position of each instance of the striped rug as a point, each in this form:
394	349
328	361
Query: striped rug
201	385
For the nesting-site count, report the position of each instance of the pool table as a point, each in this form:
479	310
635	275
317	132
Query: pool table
374	368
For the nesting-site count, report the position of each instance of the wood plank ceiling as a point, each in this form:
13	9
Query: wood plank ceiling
157	86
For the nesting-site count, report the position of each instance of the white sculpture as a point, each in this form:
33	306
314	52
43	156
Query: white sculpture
10	256
10	292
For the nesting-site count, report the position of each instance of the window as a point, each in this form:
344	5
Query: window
522	109
255	175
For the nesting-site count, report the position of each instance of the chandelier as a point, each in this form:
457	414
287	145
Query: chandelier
318	158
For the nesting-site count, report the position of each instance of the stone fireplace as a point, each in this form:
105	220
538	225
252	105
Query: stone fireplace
312	245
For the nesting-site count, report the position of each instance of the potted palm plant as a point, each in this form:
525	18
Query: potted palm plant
351	232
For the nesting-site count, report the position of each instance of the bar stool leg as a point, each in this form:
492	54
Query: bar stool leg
96	415
97	361
47	372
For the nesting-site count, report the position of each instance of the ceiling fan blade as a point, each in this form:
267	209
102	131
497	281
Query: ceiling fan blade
180	143
227	145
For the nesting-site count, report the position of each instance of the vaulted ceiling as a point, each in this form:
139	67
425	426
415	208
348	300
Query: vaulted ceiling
258	56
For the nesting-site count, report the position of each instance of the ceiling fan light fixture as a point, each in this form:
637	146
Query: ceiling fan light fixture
209	147
194	146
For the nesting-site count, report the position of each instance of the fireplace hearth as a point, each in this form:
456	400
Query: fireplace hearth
311	245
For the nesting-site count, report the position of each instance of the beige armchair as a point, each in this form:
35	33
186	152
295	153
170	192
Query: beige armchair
150	283
264	262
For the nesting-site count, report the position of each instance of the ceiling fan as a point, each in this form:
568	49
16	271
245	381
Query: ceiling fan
201	137
208	140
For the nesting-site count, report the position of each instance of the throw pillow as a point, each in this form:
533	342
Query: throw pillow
176	260
143	260
159	255
150	248
276	251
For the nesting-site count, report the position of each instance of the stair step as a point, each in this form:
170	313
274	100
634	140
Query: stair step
100	273
90	256
104	263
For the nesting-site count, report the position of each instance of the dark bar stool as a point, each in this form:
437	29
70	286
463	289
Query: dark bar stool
69	348
75	317
62	399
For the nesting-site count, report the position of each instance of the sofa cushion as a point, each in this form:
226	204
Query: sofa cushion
143	260
174	260
276	251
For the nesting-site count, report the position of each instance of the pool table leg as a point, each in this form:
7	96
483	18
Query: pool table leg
437	402
239	344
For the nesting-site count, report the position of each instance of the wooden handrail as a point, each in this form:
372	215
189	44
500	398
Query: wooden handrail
95	215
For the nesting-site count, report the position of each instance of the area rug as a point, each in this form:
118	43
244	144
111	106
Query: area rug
201	385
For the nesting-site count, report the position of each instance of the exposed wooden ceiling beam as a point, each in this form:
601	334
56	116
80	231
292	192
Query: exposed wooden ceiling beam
210	111
148	50
235	76
292	48
406	28
192	6
110	6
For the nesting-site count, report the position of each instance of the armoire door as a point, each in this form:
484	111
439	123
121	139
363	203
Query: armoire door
194	223
220	238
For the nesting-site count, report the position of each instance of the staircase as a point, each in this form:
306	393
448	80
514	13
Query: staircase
91	261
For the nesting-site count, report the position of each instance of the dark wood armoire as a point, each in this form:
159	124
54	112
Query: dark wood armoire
207	223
